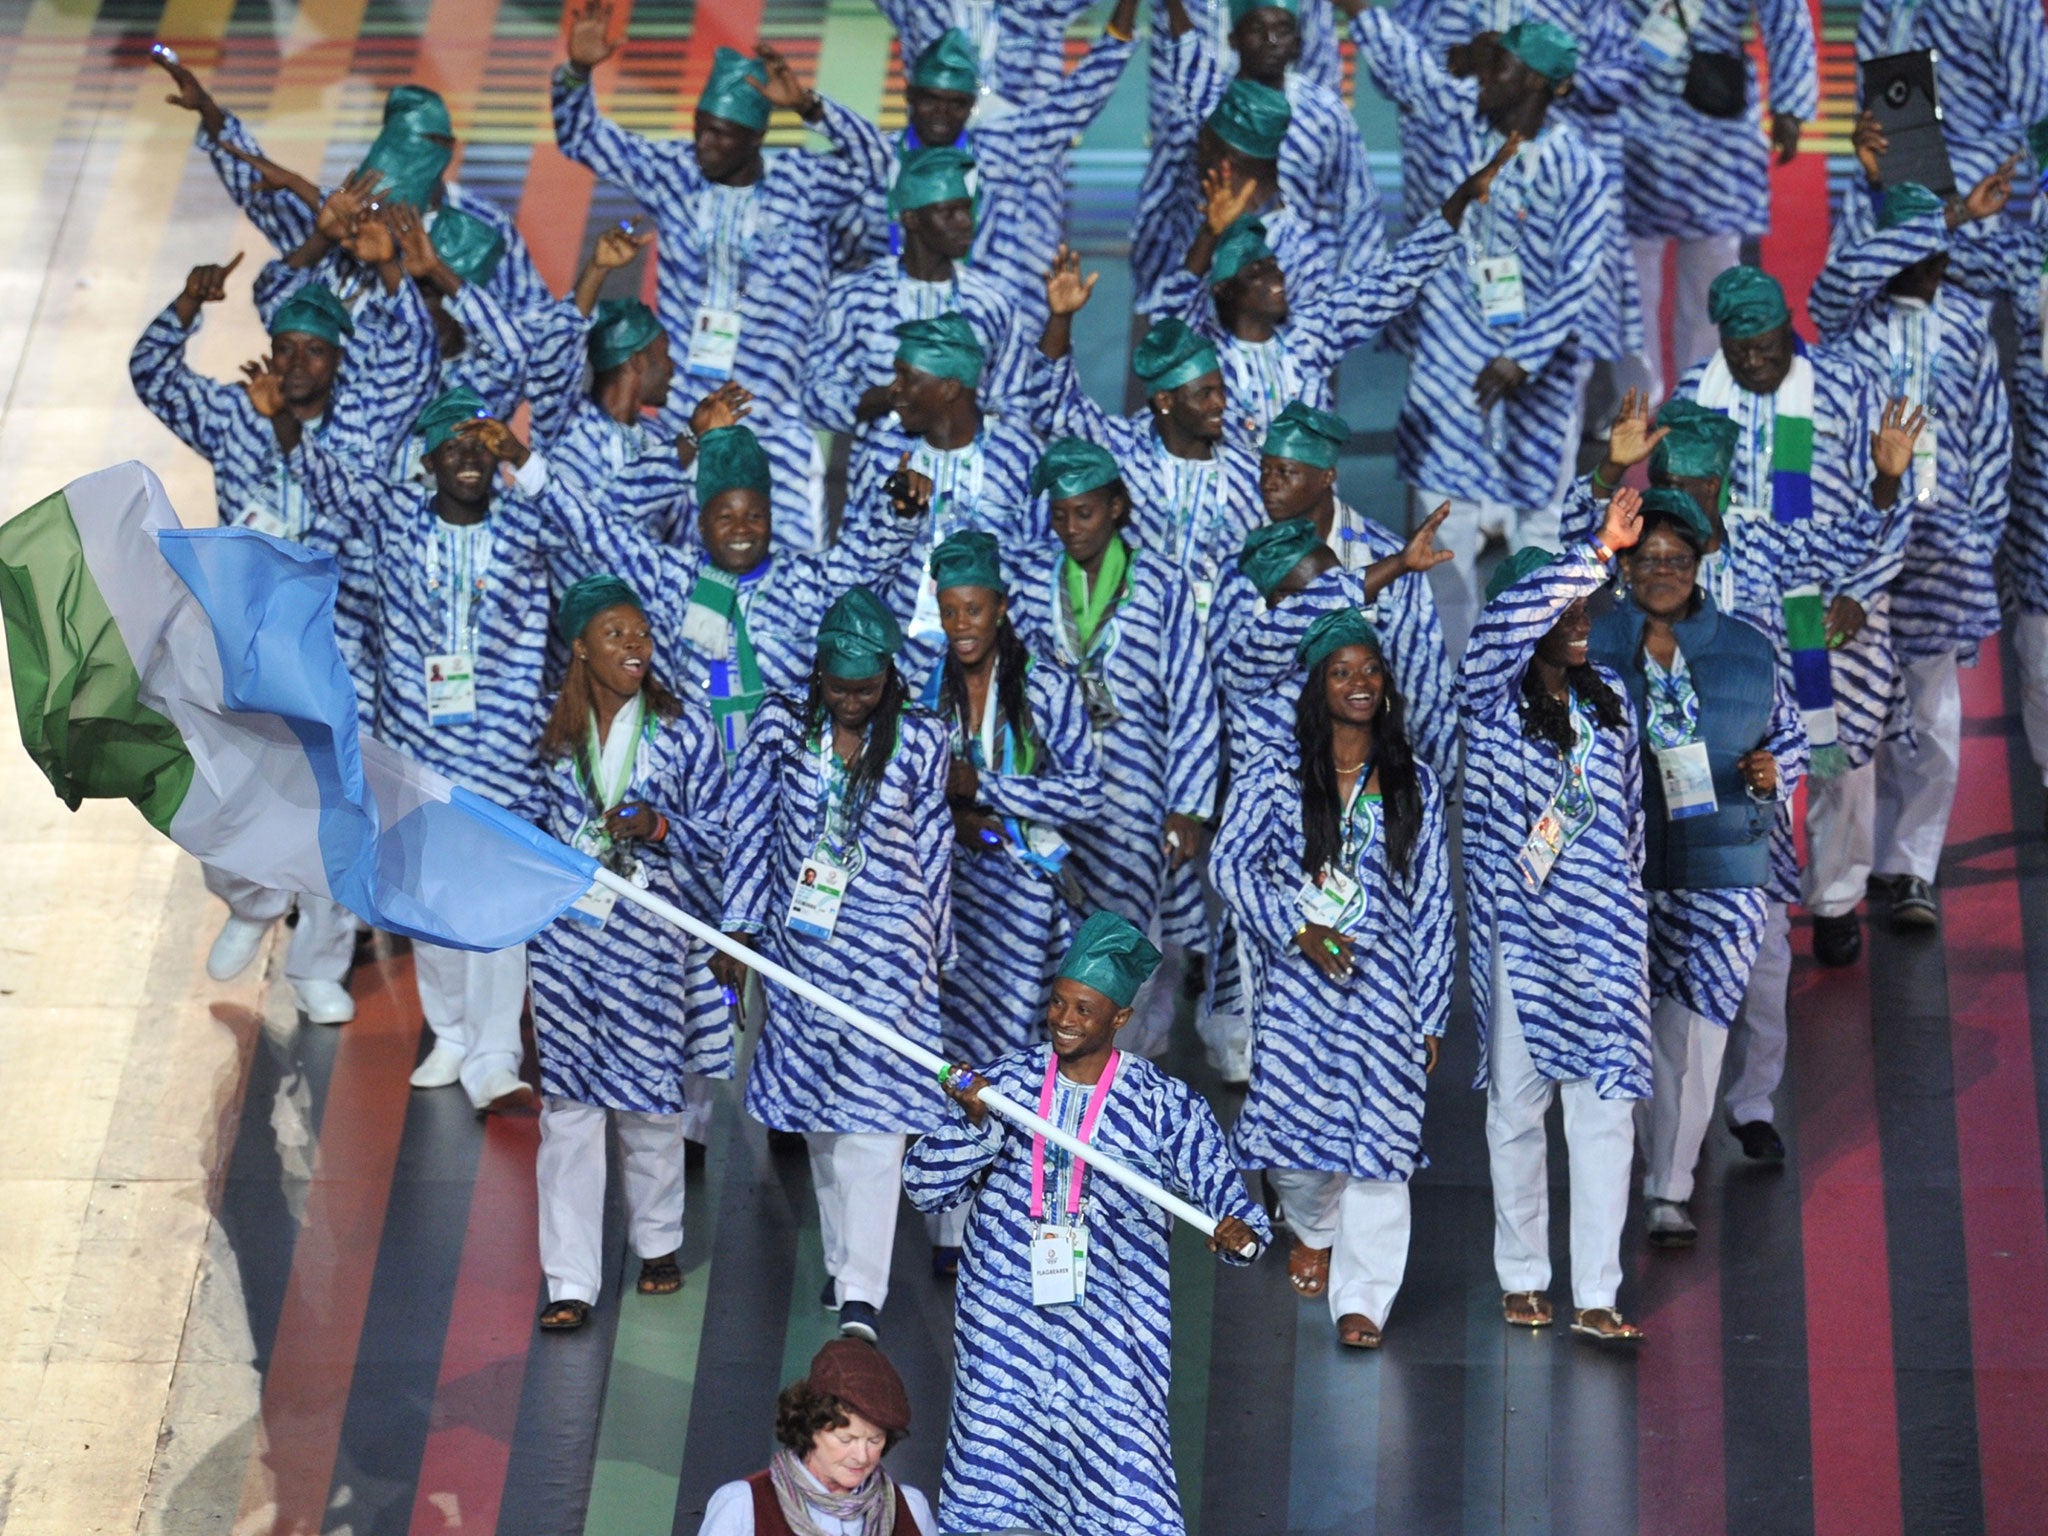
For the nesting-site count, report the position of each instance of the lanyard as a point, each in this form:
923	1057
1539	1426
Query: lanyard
956	475
1574	797
1913	338
983	24
612	764
832	793
728	236
1263	374
466	549
1757	415
1088	1119
1674	706
1491	222
1190	489
1361	819
1898	32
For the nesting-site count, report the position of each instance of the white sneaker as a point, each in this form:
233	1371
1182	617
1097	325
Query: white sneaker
235	947
1234	1063
501	1089
442	1067
1668	1224
325	1002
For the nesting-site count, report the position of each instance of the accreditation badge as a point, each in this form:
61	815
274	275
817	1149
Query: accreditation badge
256	515
820	891
1663	34
1499	280
1057	1256
1541	848
1688	780
1330	903
451	688
1926	456
714	344
594	907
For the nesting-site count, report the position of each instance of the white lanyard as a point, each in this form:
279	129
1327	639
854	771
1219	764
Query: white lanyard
1913	338
727	228
613	764
1757	415
466	550
1190	493
956	475
1262	373
917	299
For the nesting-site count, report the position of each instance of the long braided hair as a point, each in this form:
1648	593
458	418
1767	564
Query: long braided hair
1547	718
1013	661
1322	827
864	773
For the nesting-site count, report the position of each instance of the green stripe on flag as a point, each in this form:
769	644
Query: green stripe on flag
1792	444
76	688
1806	623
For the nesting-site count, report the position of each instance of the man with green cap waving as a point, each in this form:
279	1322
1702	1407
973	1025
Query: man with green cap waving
1062	1321
746	239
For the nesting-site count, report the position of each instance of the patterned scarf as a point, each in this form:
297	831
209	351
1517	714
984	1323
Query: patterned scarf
1813	684
871	1507
715	627
1780	437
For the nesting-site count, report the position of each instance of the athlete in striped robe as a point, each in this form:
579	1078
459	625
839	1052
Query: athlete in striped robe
1319	63
1557	968
1019	45
1992	74
1354	986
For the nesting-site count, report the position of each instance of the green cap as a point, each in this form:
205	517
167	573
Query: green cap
1545	47
470	247
944	346
1513	569
1331	633
1170	355
1271	550
950	64
1746	301
857	637
1251	118
2037	143
313	310
587	598
969	558
1073	466
618	329
1239	9
1669	504
407	153
446	411
418	110
727	94
729	459
1701	443
1906	200
1306	435
936	175
1240	245
1110	955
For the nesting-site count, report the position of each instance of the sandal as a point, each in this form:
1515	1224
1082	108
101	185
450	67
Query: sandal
1308	1269
1526	1309
1356	1331
1606	1325
660	1277
564	1316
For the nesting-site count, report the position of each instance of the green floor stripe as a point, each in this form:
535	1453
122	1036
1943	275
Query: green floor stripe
811	1327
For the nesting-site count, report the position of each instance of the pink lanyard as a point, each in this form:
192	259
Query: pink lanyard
1088	1118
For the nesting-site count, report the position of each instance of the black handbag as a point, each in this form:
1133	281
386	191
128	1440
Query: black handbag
1717	84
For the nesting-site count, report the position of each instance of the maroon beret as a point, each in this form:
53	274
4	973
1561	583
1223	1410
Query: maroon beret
861	1377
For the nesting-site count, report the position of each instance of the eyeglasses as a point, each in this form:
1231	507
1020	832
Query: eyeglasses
1650	565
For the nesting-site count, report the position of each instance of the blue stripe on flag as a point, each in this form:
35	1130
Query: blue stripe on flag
1813	683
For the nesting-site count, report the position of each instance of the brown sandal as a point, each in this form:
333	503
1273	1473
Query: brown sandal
1308	1269
1606	1325
1526	1309
660	1277
1356	1331
564	1316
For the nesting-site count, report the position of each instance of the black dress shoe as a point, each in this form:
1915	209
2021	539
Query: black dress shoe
1837	940
787	1141
1913	908
1760	1140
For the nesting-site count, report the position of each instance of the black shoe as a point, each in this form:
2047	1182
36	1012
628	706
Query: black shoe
1913	908
858	1320
828	1298
787	1141
693	1153
1880	888
945	1262
1760	1140
1837	940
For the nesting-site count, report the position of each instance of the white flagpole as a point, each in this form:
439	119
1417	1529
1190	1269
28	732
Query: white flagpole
1008	1108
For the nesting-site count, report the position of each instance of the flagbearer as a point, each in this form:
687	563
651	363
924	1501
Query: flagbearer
1063	1321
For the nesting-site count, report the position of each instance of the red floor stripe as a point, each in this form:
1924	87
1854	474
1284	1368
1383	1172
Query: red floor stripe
1998	1127
483	1363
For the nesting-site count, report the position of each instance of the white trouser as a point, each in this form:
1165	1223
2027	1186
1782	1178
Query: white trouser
323	939
859	1177
1916	784
1225	1023
1465	531
700	1097
1756	1045
570	1176
472	1003
2029	635
1839	814
949	1228
1364	1222
1599	1137
1694	337
1685	1066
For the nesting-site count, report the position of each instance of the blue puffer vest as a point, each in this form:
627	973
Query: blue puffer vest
1735	674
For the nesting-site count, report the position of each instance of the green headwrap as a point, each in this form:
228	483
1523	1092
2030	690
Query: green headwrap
1513	569
448	410
469	247
406	152
1746	301
1674	505
1073	466
618	329
1110	955
1252	119
418	110
944	346
1906	200
1170	355
950	64
587	598
1701	442
1240	245
969	558
857	637
1239	9
728	459
1331	633
1545	47
727	94
1273	549
1307	436
313	310
2037	143
936	175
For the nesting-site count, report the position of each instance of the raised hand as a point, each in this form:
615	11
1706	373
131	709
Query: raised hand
209	284
416	251
1869	142
1986	200
723	407
497	437
1066	290
1624	525
190	94
265	387
1891	445
1225	199
272	177
371	241
1785	136
590	36
783	88
1420	552
617	246
343	210
1632	437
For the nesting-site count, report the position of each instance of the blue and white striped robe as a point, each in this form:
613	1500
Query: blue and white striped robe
1993	74
631	471
1338	1067
1945	599
1574	949
812	1072
1690	175
1059	1414
1011	921
1163	752
621	1013
1541	209
1320	62
1022	43
784	273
